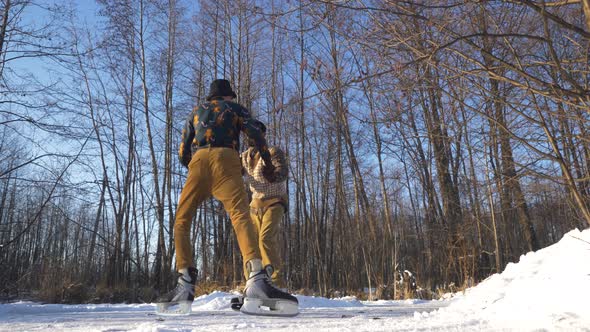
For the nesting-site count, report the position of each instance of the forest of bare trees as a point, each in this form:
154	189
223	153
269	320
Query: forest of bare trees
446	138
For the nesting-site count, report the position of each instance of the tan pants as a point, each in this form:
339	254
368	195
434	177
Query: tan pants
217	172
268	222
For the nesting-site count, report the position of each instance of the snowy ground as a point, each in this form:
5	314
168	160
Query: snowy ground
548	290
212	313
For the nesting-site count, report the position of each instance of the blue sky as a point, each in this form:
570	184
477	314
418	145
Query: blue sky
86	12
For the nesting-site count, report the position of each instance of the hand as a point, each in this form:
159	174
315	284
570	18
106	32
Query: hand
185	161
268	171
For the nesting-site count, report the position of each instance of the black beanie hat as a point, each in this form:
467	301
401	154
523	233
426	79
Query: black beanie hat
220	88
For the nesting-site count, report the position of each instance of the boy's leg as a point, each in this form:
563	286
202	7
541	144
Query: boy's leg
228	187
269	240
257	221
196	189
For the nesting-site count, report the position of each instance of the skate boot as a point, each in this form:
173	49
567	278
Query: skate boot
261	297
179	300
237	302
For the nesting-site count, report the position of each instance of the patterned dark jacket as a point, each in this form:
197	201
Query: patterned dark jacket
218	123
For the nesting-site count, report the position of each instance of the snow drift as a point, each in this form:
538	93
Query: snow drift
546	289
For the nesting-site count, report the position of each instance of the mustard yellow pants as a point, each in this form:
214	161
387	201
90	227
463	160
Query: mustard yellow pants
217	172
268	222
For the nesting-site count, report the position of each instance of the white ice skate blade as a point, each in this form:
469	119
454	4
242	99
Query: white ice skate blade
269	307
174	308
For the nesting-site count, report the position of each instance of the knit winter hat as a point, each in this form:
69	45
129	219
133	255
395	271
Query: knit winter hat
220	88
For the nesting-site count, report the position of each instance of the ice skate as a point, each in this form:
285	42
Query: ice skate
237	302
261	297
179	300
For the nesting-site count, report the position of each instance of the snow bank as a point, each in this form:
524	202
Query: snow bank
547	289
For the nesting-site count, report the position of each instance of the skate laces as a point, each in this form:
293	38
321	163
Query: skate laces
267	281
192	277
184	285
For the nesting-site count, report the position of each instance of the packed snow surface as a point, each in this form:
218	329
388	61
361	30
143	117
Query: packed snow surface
547	290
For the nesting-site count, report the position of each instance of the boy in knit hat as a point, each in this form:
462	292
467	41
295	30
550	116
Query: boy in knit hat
268	205
269	200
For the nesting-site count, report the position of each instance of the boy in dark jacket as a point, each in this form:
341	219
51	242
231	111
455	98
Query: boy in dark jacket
209	148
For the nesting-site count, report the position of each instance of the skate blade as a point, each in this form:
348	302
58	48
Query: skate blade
266	307
174	308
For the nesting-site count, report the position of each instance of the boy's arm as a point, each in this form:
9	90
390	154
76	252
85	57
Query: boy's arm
188	134
253	130
279	161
